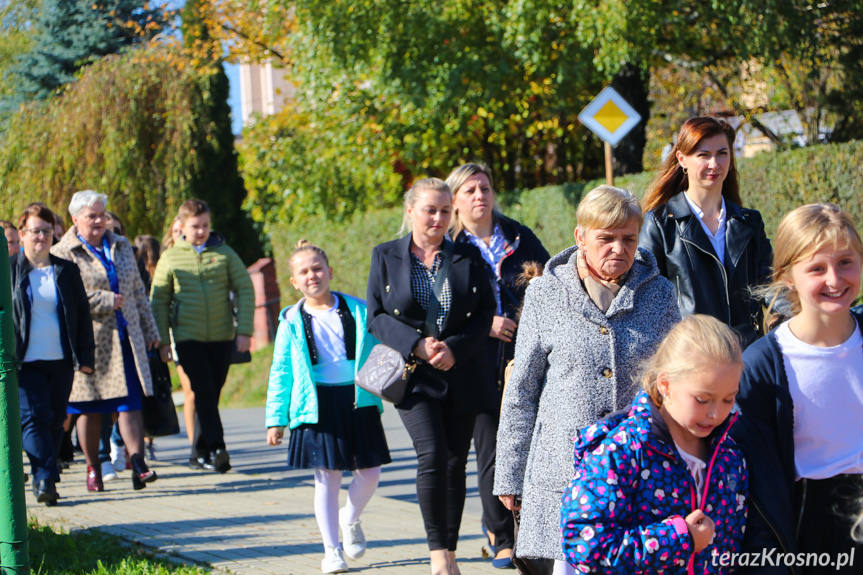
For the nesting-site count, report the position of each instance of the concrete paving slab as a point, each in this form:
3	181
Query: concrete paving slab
259	517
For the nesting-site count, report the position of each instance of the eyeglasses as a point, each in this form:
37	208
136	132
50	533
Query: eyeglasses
46	232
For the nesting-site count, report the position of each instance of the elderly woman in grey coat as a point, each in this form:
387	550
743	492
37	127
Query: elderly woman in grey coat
600	308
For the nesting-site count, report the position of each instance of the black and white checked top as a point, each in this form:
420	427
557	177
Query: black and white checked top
422	287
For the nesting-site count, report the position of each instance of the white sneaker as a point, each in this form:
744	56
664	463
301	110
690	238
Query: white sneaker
333	561
352	535
118	458
108	473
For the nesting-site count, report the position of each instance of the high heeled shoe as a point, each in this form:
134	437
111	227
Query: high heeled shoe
141	474
94	478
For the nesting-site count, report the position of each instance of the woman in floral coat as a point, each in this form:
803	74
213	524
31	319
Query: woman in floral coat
123	327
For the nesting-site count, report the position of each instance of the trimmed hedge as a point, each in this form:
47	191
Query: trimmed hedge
773	183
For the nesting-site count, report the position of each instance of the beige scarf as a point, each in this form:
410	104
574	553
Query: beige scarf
600	291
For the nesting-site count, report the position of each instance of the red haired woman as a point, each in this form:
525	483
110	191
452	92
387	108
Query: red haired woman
711	248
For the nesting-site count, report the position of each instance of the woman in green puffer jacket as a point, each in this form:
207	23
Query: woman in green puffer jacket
191	296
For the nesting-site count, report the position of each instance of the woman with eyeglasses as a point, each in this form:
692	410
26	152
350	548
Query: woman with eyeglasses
53	339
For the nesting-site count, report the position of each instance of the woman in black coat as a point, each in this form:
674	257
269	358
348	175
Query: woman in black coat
505	246
53	338
711	248
439	409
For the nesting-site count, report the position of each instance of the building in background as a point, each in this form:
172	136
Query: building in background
263	90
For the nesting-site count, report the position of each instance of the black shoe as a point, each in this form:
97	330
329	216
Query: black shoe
201	463
141	474
45	492
221	461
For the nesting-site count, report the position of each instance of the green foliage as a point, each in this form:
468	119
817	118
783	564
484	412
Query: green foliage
773	183
389	91
141	127
71	34
830	173
16	37
94	553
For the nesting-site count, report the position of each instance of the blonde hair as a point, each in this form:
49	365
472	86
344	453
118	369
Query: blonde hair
168	238
801	233
696	343
305	245
433	184
456	180
606	207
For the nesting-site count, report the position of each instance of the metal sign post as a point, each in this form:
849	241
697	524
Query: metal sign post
610	117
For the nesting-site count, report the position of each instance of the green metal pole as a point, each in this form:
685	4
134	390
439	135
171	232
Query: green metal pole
14	551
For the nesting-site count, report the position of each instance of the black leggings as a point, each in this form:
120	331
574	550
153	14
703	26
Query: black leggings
830	508
207	363
441	439
496	518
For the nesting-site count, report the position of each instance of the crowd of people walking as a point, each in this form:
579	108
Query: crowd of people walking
86	335
670	394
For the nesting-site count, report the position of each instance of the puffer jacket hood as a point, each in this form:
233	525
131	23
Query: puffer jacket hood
624	510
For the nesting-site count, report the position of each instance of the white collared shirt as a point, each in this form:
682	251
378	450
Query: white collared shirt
696	468
716	240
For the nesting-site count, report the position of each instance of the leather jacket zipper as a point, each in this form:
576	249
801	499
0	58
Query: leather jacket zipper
724	276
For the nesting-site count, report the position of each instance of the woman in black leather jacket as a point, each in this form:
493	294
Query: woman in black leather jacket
711	248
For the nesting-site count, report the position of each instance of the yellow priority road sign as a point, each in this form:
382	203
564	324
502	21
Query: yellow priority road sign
609	116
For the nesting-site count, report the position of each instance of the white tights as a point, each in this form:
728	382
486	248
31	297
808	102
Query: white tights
327	485
562	568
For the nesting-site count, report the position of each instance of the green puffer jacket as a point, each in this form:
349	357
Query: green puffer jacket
191	292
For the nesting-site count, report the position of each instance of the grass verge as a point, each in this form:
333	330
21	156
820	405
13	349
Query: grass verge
246	385
92	552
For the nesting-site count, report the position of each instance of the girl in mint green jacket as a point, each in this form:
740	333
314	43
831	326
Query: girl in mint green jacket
335	426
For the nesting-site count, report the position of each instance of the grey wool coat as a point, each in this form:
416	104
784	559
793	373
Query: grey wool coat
573	365
109	379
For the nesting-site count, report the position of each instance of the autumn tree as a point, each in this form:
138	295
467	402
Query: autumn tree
70	34
218	179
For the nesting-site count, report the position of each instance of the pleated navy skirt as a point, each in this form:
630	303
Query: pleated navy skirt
343	439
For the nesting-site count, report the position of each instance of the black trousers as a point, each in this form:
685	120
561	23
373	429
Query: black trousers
830	508
441	439
207	363
496	518
43	393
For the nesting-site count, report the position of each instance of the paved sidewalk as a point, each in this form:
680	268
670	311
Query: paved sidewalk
258	518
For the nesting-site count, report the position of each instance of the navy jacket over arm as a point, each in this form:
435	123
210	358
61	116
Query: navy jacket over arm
73	309
765	431
522	246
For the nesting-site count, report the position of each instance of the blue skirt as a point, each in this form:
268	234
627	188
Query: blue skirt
343	439
134	394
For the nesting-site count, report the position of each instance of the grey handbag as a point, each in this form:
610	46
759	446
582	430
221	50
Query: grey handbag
386	374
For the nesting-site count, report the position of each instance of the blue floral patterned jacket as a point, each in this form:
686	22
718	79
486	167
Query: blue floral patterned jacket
624	510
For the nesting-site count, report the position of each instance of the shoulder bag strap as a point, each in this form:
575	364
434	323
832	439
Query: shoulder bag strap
440	278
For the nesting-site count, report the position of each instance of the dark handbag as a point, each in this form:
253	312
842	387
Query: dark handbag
240	357
386	374
160	414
